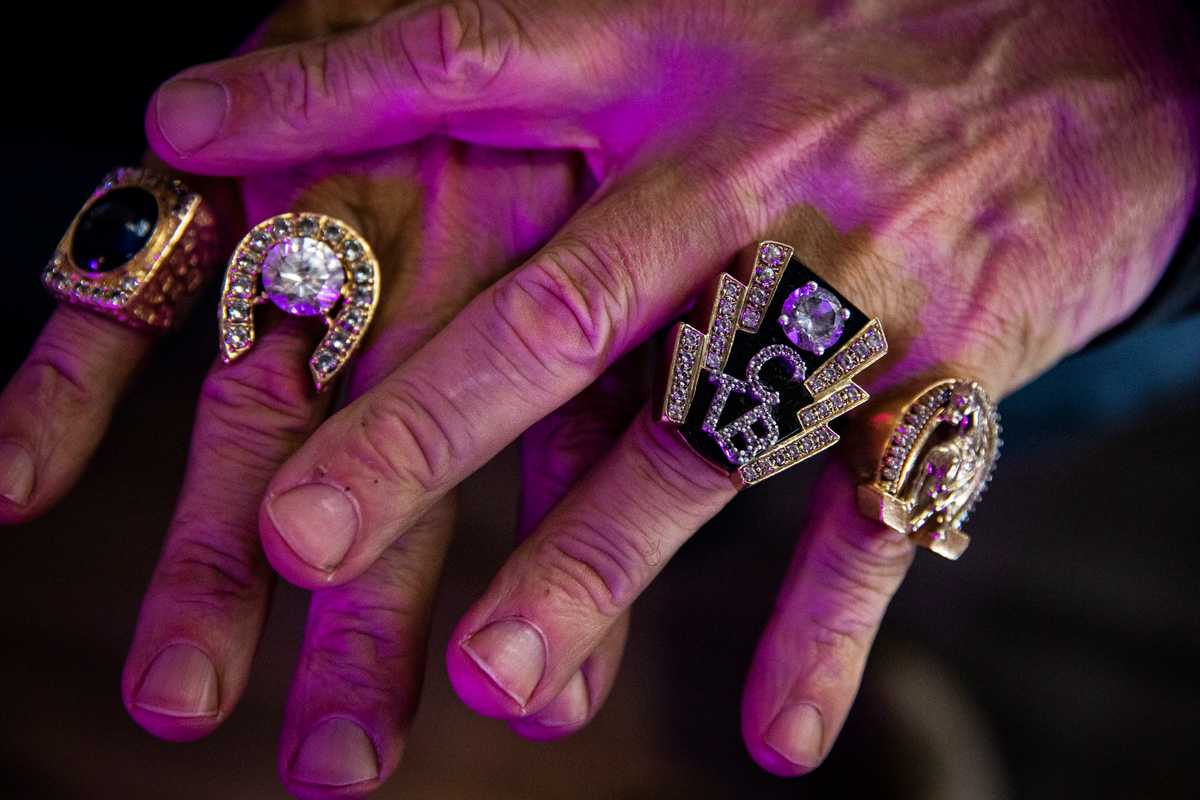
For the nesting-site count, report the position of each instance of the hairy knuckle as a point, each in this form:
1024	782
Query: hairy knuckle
454	49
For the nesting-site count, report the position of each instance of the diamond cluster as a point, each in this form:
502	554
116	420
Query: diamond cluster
867	347
788	454
723	322
835	405
685	366
769	264
153	287
909	430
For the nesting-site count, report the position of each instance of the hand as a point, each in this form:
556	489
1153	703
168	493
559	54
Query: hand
996	183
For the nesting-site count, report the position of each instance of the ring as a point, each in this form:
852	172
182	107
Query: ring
138	250
936	461
308	265
754	393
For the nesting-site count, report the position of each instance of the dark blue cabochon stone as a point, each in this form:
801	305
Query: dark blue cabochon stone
114	229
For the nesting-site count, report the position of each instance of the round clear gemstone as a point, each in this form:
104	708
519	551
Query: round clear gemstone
303	276
812	319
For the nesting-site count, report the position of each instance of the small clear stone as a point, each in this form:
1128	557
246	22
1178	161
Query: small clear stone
303	276
237	310
750	317
334	233
363	298
242	286
308	226
129	283
363	274
771	254
339	342
889	474
281	228
353	251
325	362
237	337
758	297
259	241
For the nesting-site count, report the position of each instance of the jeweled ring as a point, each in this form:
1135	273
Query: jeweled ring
309	265
138	251
937	459
754	392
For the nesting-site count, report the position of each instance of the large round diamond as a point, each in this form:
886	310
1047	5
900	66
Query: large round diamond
813	318
303	276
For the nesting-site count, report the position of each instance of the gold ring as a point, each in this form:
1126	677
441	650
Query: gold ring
936	458
754	391
308	265
138	250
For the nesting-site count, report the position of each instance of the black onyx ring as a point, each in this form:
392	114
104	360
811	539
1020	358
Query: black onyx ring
138	251
754	392
308	265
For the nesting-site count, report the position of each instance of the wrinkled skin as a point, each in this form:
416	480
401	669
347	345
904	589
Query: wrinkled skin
997	182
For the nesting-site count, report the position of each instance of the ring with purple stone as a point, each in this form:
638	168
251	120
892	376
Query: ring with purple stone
933	457
138	251
308	265
753	385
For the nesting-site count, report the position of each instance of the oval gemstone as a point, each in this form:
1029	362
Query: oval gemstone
812	319
114	229
303	276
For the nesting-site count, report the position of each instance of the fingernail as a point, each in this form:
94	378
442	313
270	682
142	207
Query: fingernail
181	682
317	521
16	473
796	734
337	752
190	113
570	708
511	652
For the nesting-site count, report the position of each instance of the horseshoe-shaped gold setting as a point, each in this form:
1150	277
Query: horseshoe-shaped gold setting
331	273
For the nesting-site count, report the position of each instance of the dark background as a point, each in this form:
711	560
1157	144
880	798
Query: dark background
1058	659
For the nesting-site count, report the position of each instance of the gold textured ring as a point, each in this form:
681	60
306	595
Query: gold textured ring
937	458
770	362
309	265
138	250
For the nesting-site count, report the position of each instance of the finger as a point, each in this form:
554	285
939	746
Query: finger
518	351
56	408
555	454
359	678
557	597
204	609
809	662
433	67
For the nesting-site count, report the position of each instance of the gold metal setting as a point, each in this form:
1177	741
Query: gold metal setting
738	309
346	321
938	458
152	290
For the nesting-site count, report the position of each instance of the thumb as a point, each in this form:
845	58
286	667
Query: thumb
483	71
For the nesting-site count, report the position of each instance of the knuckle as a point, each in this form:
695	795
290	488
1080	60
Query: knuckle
304	81
362	637
563	311
258	400
454	49
858	571
404	438
53	377
597	563
208	564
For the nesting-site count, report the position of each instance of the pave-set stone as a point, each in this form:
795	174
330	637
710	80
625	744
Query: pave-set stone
741	392
138	251
309	265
